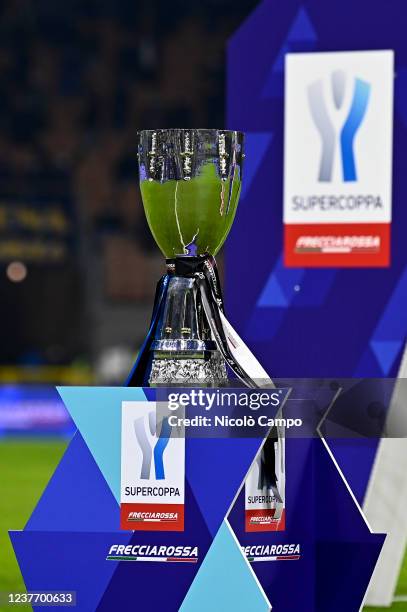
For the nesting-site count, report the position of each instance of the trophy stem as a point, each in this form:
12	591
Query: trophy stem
190	341
183	351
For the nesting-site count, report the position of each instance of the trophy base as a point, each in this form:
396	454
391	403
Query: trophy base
189	371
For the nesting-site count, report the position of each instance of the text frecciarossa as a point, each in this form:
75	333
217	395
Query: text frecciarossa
265	550
147	550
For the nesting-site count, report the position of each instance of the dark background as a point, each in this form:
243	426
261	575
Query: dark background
77	80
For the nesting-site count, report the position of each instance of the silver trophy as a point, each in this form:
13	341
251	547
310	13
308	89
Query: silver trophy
190	182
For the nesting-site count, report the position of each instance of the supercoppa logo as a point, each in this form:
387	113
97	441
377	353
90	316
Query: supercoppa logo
151	445
335	124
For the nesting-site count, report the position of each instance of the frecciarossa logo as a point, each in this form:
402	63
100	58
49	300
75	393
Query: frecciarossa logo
272	552
153	516
147	552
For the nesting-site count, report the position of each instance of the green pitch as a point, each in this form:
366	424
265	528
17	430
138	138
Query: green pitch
401	590
26	467
396	607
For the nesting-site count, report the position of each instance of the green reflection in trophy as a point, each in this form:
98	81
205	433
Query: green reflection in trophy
190	182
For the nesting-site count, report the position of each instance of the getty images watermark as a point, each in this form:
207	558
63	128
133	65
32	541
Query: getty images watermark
210	400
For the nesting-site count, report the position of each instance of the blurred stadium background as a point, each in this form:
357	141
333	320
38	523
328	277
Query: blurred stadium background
78	266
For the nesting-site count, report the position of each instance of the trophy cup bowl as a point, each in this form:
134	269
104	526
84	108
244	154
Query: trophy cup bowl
190	182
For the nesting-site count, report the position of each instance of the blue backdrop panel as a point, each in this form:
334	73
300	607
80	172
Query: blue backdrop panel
311	322
224	582
292	317
337	551
67	561
77	498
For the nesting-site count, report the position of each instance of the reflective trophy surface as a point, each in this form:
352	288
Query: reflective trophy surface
190	182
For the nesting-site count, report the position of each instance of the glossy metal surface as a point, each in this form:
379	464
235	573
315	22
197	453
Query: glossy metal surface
190	182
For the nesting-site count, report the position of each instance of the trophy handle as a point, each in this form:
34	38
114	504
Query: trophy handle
139	375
